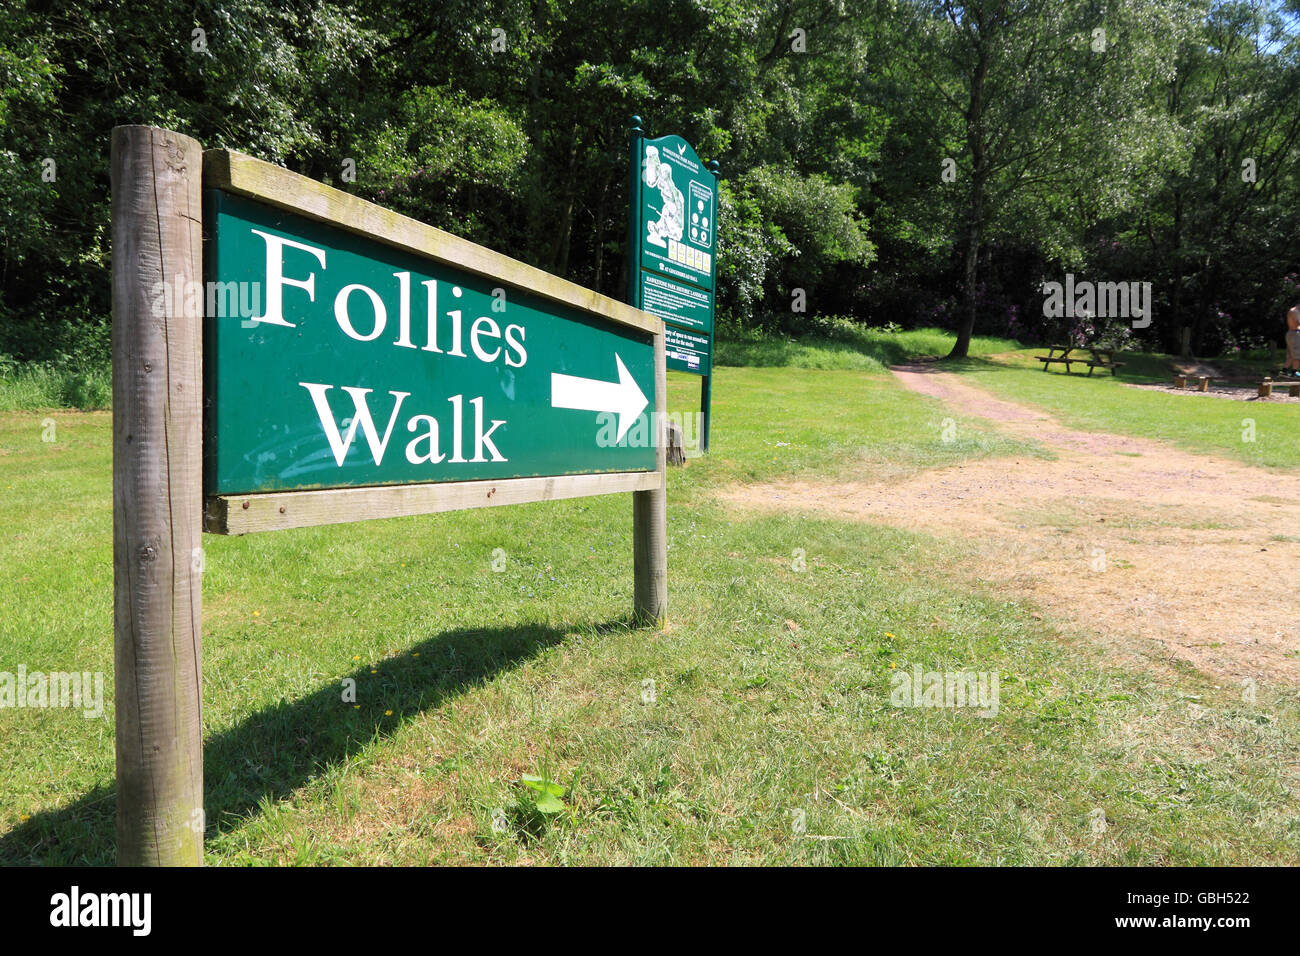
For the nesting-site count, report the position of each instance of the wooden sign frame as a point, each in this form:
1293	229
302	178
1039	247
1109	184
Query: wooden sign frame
159	509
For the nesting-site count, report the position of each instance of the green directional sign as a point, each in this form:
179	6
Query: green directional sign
365	364
288	355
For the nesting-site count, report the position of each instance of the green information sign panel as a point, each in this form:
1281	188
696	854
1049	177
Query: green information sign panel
688	351
365	364
674	241
677	302
678	212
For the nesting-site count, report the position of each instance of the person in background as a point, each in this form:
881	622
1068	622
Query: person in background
1292	367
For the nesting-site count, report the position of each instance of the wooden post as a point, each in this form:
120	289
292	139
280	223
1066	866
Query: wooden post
157	494
1266	388
1180	381
1203	383
650	516
676	445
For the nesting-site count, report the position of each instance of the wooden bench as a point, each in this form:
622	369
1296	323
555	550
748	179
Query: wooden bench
1108	363
1266	387
1099	358
1048	360
1052	357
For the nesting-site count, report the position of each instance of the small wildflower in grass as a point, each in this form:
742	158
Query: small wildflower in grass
388	713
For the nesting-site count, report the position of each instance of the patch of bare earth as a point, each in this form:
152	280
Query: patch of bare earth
1241	393
1141	545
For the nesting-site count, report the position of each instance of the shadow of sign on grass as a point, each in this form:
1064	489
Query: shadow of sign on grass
284	746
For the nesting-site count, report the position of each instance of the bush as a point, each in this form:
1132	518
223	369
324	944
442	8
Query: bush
64	382
780	231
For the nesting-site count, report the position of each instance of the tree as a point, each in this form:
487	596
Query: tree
1219	228
1040	102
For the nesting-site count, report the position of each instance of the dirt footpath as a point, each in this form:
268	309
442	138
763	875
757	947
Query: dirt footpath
1153	551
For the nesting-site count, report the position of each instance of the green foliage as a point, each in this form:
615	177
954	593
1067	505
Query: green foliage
1216	234
780	231
445	159
544	796
507	122
263	78
818	217
539	804
63	382
838	342
749	249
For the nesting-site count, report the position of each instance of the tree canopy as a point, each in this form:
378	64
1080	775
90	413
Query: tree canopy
906	161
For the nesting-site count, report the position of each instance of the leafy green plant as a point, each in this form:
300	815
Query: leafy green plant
540	802
545	795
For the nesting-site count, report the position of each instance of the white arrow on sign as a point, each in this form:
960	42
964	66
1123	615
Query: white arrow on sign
623	397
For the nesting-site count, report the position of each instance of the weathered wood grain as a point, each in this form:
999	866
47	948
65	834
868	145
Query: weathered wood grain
276	511
650	518
157	497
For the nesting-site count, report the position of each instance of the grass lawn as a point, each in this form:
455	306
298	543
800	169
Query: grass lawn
1100	402
767	734
780	422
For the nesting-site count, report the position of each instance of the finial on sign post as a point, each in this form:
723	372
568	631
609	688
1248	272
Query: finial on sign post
636	124
713	167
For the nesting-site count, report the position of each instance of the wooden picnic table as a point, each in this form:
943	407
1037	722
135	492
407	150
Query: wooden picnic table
1069	354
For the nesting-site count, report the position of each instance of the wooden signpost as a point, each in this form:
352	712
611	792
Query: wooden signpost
385	368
